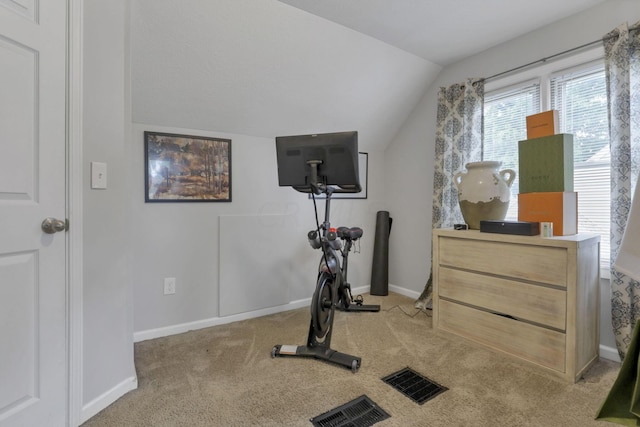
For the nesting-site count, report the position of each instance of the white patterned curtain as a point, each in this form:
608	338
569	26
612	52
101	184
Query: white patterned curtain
622	65
459	129
459	132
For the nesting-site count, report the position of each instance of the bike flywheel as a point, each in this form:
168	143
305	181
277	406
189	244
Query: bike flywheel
322	306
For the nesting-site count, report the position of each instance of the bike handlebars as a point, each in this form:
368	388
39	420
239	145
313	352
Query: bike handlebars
321	188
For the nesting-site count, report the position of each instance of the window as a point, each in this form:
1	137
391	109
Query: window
578	91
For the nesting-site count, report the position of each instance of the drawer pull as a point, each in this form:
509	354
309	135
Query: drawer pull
505	315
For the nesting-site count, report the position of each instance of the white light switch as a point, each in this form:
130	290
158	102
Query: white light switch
98	175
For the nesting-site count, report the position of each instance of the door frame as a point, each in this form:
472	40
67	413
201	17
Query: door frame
74	188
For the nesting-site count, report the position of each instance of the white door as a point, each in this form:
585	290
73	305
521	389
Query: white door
33	313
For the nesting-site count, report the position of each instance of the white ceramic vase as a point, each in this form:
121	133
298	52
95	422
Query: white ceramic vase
484	192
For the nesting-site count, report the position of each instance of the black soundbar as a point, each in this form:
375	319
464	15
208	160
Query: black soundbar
523	228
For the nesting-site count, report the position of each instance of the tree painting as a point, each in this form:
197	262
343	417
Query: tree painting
183	168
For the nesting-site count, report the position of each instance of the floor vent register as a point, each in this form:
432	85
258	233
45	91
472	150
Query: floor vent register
360	412
416	387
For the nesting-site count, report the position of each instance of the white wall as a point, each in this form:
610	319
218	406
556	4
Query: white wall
248	72
182	240
108	369
410	156
265	68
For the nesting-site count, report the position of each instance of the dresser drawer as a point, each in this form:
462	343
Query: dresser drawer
542	264
536	344
539	304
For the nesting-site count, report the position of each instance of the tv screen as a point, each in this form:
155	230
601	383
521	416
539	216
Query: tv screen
337	153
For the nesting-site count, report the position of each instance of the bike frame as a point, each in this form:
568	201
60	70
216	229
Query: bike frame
331	289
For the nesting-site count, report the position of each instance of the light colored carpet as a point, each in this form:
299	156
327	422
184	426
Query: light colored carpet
225	376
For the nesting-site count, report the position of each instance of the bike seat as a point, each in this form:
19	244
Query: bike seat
353	233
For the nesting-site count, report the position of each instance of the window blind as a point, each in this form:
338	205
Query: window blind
580	96
504	125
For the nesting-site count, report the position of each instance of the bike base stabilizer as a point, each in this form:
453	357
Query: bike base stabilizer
317	352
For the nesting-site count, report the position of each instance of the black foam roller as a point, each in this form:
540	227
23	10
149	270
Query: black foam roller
380	267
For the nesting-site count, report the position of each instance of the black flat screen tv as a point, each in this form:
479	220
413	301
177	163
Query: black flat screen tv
336	156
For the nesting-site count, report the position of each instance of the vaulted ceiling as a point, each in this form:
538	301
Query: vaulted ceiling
443	31
267	68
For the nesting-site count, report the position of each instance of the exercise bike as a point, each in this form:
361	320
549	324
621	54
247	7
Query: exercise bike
332	289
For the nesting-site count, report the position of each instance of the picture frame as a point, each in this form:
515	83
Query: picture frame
363	171
186	168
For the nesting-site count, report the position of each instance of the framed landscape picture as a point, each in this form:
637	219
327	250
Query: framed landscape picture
186	168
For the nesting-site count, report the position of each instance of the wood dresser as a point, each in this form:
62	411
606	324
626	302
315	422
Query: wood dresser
534	298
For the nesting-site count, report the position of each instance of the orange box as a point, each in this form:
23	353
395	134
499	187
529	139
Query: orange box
543	124
560	208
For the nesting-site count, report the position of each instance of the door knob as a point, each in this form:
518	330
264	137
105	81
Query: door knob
52	225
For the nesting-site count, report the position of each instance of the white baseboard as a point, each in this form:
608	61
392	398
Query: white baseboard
609	353
215	321
107	398
403	291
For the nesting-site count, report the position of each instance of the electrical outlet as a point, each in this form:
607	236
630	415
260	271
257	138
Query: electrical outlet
169	285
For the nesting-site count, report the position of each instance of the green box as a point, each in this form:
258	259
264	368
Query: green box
546	163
